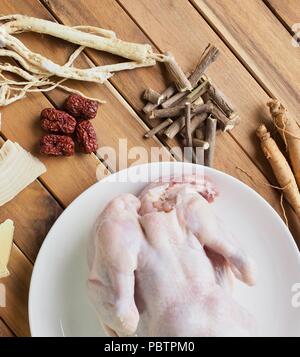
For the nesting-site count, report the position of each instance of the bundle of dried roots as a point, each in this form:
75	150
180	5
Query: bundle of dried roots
39	73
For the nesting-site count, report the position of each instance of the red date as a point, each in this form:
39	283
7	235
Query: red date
57	121
86	136
81	107
57	145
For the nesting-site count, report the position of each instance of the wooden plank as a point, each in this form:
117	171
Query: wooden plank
267	52
287	10
15	313
34	211
4	330
158	17
114	121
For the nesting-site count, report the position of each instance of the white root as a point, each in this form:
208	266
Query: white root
96	30
21	60
133	51
73	56
127	65
17	70
36	69
76	91
94	74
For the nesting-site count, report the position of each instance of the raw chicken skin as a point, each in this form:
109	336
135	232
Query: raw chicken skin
163	265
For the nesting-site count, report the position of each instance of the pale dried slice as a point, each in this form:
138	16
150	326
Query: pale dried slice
18	169
6	239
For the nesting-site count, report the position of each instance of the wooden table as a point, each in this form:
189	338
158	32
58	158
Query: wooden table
257	61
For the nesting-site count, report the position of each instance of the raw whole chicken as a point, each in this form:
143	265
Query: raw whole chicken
163	264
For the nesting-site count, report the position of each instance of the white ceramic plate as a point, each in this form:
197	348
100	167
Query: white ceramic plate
58	304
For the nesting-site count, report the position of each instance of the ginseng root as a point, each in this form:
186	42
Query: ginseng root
281	168
290	132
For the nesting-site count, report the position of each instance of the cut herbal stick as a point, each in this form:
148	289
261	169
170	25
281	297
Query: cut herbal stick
203	108
166	113
175	127
209	55
219	99
180	79
158	128
200	143
281	168
172	100
152	96
197	121
224	123
290	132
166	94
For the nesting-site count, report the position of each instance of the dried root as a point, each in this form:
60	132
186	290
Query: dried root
37	70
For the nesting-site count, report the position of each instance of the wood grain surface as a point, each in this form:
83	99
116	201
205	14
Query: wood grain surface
287	10
256	62
265	48
4	330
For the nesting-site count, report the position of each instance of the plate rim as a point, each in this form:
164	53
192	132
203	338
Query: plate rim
290	241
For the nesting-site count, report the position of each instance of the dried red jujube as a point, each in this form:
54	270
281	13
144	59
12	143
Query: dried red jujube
57	145
81	107
57	121
86	136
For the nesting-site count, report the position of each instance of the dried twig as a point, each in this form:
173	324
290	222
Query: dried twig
166	94
198	120
210	55
203	108
175	127
200	143
224	122
158	128
219	99
174	99
152	96
180	79
166	113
